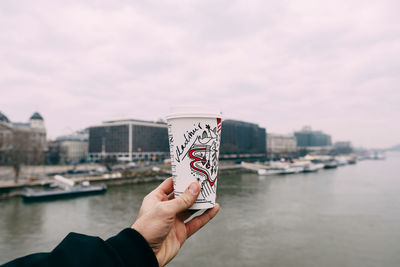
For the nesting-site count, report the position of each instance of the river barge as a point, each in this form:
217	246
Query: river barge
63	188
32	195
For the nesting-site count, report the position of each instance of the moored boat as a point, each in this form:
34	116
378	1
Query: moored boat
63	188
330	164
269	171
313	167
341	160
293	169
352	161
32	195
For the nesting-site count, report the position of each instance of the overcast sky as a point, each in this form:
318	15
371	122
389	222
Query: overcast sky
334	65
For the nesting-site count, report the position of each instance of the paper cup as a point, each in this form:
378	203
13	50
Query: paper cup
194	139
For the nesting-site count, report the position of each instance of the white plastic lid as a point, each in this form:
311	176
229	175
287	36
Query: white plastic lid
193	112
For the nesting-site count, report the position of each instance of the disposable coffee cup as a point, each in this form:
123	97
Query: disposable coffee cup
194	139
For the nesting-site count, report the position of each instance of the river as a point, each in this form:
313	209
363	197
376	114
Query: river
348	216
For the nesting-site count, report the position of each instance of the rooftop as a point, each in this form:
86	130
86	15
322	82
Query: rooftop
237	122
21	124
133	120
73	137
3	117
36	116
281	135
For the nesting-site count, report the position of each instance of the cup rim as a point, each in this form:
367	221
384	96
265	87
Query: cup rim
186	112
193	115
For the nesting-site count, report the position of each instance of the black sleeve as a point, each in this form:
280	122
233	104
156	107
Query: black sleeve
128	248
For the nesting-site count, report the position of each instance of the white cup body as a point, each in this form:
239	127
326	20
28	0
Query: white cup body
194	147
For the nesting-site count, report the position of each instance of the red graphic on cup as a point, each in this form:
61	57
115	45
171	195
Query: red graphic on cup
198	163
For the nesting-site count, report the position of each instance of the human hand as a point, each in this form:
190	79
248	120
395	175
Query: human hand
161	219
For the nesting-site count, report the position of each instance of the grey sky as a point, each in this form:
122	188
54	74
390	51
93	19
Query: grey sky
333	65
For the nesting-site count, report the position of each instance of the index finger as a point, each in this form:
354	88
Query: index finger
165	187
196	223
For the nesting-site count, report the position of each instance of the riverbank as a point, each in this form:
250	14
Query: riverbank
41	171
10	189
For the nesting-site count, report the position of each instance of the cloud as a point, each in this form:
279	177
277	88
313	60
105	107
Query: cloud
282	64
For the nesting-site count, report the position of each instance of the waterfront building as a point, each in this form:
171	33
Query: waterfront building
309	141
72	148
281	145
242	140
28	140
342	147
129	140
309	138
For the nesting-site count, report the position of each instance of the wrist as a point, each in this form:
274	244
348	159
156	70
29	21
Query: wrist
141	230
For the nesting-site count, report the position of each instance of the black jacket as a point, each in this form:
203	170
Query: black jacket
128	248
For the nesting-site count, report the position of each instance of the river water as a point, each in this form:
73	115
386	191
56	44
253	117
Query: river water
349	216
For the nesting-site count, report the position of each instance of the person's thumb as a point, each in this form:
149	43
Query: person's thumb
186	200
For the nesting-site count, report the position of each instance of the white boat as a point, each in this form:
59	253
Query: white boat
313	167
352	159
269	171
331	164
286	167
308	165
252	166
379	156
63	188
293	169
273	168
341	160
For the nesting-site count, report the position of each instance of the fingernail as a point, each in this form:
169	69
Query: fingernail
194	188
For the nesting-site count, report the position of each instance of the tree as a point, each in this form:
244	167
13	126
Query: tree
18	153
24	150
53	154
5	142
36	154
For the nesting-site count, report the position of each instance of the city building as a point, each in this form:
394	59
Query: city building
342	147
72	148
129	140
242	140
281	146
309	138
27	141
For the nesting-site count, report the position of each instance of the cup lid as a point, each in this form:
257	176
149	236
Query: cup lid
193	112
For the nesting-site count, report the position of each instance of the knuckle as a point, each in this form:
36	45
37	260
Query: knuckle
186	201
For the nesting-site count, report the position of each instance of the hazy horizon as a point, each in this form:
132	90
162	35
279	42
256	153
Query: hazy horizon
283	65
